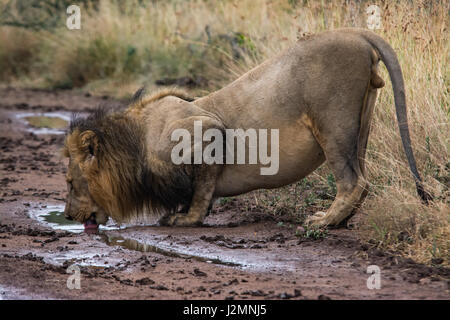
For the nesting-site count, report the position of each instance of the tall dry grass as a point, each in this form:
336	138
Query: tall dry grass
123	45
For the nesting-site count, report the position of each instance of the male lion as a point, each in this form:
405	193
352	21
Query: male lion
320	94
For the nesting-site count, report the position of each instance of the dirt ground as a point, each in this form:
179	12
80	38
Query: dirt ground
235	256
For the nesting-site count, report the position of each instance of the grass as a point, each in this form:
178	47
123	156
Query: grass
124	45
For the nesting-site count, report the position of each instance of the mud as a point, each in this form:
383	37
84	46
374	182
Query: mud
236	255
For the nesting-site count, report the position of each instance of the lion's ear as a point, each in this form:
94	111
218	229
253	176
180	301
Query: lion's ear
89	143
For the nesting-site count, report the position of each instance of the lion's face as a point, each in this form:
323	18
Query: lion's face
80	204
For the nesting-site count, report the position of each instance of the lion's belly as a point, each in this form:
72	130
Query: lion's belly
299	155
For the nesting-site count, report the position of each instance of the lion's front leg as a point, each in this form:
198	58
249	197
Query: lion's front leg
205	184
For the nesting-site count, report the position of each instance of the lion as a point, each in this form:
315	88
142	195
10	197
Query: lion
320	94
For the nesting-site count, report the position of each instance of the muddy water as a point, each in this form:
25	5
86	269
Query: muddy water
268	258
135	245
53	216
174	242
45	123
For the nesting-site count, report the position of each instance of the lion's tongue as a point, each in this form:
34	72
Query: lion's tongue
90	224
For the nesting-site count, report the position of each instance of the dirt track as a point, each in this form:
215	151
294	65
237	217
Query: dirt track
236	256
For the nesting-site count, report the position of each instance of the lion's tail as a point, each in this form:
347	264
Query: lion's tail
389	57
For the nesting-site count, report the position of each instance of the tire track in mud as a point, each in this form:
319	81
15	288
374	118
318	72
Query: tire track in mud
237	256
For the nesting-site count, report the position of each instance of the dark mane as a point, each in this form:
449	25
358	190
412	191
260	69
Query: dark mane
137	96
123	158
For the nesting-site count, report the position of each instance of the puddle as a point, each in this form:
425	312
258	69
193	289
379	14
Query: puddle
45	123
53	216
171	244
135	245
252	259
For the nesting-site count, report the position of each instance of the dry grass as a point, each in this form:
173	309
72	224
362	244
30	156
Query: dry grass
16	60
122	47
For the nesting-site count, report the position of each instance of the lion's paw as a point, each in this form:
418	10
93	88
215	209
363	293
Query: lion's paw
317	220
165	221
179	220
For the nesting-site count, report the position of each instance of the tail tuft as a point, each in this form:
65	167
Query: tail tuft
423	194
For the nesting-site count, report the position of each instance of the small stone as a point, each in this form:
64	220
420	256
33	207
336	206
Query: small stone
299	231
199	273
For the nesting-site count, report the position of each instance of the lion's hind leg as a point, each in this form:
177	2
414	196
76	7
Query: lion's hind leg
350	192
345	148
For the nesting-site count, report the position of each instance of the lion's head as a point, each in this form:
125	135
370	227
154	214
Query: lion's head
82	178
110	174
